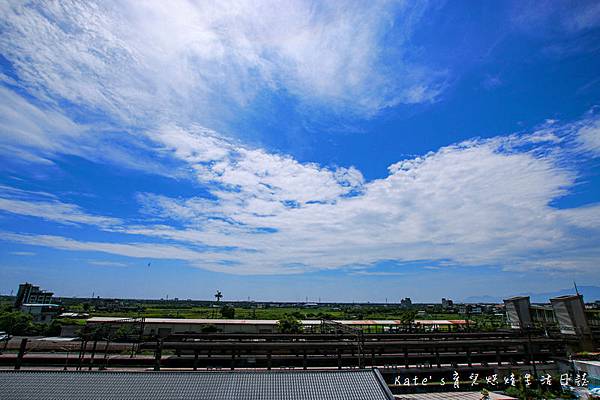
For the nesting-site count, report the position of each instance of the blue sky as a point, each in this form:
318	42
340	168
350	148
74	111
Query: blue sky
340	151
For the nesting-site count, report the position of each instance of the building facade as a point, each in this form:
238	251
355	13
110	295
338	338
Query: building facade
30	294
518	312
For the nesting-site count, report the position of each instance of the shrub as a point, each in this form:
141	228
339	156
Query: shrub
289	324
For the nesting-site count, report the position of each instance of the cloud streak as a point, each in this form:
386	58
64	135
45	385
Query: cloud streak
29	204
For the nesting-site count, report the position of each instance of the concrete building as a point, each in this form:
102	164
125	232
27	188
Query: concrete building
518	312
31	294
570	315
567	313
42	312
542	315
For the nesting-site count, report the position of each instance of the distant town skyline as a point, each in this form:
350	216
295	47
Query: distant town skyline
343	151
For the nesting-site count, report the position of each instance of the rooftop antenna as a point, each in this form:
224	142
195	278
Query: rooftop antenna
576	290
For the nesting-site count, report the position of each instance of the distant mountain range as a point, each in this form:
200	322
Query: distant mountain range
590	294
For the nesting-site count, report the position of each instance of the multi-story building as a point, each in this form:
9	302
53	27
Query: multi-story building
30	294
570	315
518	312
567	313
447	303
42	312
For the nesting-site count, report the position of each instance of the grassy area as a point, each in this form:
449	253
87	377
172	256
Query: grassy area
185	309
240	313
350	312
345	312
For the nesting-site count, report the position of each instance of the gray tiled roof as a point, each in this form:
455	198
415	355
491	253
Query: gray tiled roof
238	385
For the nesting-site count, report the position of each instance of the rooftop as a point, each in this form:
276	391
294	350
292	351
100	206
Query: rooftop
239	385
567	297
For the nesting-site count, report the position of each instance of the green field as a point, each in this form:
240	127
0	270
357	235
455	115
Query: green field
344	313
187	309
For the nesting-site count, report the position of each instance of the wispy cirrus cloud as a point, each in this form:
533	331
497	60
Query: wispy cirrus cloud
23	253
38	133
556	16
32	132
194	61
36	204
120	75
589	138
134	250
104	263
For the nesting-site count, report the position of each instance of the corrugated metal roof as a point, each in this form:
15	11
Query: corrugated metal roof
239	385
306	322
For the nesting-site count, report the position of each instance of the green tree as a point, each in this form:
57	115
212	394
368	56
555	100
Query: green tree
298	315
209	329
53	328
408	318
15	322
124	332
228	312
289	324
327	316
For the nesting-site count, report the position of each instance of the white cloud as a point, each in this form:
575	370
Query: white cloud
33	130
147	251
37	133
54	211
589	137
22	253
483	202
562	17
35	204
480	202
152	61
102	263
261	180
172	69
